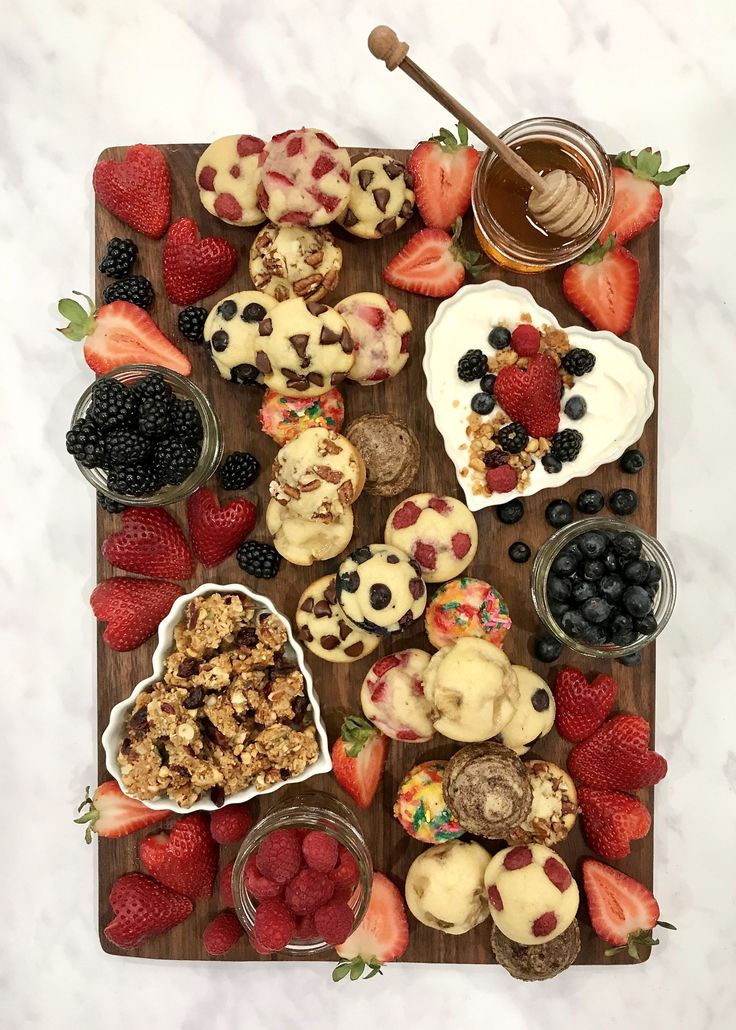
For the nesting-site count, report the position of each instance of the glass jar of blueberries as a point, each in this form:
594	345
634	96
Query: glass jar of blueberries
603	587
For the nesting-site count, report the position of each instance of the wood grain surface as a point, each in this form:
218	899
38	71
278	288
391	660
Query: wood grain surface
338	686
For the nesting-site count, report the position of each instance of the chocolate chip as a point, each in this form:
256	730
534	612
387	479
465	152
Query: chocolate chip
262	362
265	328
388	225
294	381
350	218
540	700
217	796
244	375
393	169
188	667
304	635
344	629
299	342
354	650
337	377
328	336
393	559
323	609
349	581
316	308
409	180
406	209
361	554
317	378
416	588
220	340
416	566
380	596
330	594
194	698
365	178
346	342
307	604
227	310
246	637
329	642
406	620
166	707
381	197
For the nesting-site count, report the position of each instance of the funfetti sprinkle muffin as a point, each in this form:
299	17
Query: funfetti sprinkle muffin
421	808
467	608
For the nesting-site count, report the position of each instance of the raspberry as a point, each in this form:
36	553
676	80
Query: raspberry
501	479
229	825
305	930
426	555
334	922
258	885
460	544
222	934
495	898
517	858
557	874
280	856
320	851
247	145
406	515
345	873
544	925
525	340
274	925
307	891
226	885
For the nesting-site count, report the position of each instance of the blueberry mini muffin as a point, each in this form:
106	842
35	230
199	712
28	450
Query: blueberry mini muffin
534	716
380	589
231	334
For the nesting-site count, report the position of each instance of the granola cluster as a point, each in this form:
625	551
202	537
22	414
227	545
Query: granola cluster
230	711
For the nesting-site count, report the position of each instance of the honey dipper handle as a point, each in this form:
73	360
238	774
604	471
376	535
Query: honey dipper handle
385	45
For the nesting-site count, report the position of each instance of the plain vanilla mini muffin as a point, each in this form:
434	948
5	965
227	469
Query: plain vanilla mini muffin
444	887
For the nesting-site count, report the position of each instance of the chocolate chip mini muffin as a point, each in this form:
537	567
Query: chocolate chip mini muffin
283	417
305	541
380	333
295	261
318	475
231	334
537	961
390	451
444	886
487	789
228	175
380	589
381	197
438	532
304	348
305	178
323	628
554	808
534	716
392	696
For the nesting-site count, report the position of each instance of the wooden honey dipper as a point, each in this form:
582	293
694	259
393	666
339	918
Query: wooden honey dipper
559	202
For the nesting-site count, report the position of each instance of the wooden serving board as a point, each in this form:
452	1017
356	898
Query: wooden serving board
338	686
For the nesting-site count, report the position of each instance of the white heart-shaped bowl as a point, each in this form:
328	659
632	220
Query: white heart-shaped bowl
617	412
113	735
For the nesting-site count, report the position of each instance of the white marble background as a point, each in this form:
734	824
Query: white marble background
79	75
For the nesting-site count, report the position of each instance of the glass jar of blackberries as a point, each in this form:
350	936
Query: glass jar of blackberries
603	587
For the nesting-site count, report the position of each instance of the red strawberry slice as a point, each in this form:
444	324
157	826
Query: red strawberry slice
194	267
381	936
216	531
322	166
623	912
432	263
132	608
113	814
443	168
611	820
185	859
581	706
617	757
151	544
604	285
637	200
375	317
247	145
531	397
358	759
143	909
120	334
137	189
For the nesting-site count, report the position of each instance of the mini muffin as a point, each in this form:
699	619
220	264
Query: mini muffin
390	451
304	541
467	608
438	532
381	197
392	696
283	417
537	961
295	261
231	334
534	716
305	178
380	589
380	333
227	178
532	894
554	808
421	808
444	886
323	628
317	475
487	789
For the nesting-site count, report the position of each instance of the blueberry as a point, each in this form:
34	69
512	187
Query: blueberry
227	310
559	513
630	660
632	461
654	573
510	512
574	624
636	571
594	635
637	601
652	589
558	609
499	337
597	609
574	551
253	313
482	403
564	564
551	464
593	569
623	502
592	544
558	589
488	382
520	552
612	588
645	625
627	545
547	648
582	589
576	408
540	700
379	596
590	502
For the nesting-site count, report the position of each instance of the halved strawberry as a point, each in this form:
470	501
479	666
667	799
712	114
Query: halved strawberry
113	814
604	285
623	912
611	820
443	168
637	200
433	263
119	334
136	189
358	758
381	936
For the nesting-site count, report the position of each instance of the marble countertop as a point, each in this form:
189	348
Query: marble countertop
77	76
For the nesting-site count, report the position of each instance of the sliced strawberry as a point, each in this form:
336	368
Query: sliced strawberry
217	531
381	936
581	706
113	814
623	912
120	334
531	397
137	189
358	759
184	860
132	608
143	908
604	285
150	543
617	756
432	263
194	267
443	168
611	820
637	200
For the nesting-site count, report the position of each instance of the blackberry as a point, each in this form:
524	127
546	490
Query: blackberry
135	289
259	560
153	386
191	323
239	471
119	258
107	504
244	375
520	552
578	361
126	447
472	365
113	405
84	442
185	420
510	512
566	444
174	460
154	417
133	481
499	337
632	461
512	437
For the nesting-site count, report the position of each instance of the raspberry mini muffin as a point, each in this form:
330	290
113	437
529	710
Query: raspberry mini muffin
534	716
467	608
283	417
323	628
380	333
392	696
231	334
438	532
318	475
381	197
380	589
305	178
294	261
228	175
444	886
532	894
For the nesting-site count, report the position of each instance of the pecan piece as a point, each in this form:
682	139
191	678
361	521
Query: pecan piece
329	475
308	285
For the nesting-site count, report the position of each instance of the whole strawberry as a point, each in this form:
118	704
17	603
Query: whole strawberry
194	267
185	859
611	820
216	531
617	757
581	706
143	909
149	543
137	189
230	824
132	608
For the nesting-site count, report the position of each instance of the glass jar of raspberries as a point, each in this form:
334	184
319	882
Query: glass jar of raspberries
302	878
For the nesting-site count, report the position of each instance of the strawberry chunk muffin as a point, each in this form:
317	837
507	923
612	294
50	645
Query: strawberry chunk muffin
227	176
392	696
380	332
437	532
532	894
305	178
